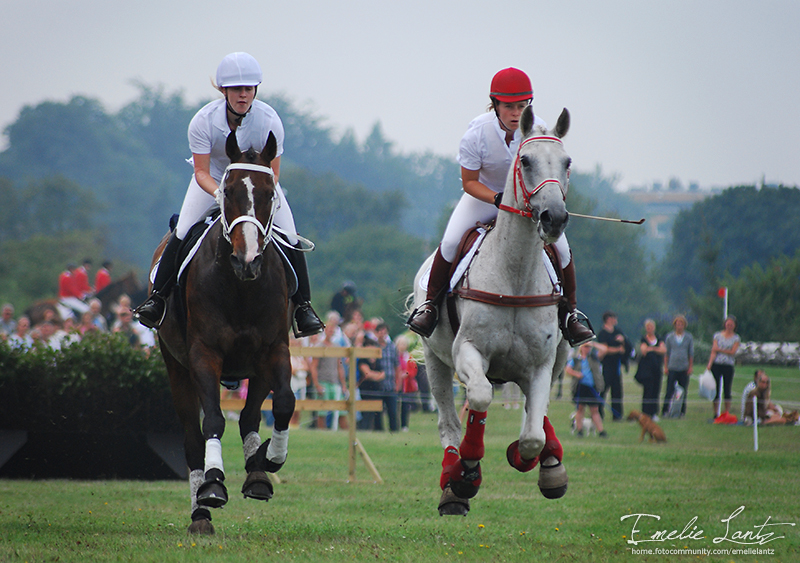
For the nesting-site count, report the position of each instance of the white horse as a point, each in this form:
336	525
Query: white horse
509	328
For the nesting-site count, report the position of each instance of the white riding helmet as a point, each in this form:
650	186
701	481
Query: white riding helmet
238	69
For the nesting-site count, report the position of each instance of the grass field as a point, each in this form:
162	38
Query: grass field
705	472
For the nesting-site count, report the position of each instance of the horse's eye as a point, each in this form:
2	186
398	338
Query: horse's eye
525	160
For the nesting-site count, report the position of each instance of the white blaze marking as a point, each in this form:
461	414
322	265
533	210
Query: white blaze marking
249	230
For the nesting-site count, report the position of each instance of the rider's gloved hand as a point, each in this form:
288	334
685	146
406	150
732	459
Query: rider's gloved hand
497	198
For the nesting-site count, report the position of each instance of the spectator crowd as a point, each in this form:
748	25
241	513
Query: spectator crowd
76	313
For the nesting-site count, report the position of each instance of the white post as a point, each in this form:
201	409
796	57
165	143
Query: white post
725	305
755	424
719	401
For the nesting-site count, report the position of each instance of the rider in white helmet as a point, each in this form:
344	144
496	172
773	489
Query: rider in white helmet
238	77
485	154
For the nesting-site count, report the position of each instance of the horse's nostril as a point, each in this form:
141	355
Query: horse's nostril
545	218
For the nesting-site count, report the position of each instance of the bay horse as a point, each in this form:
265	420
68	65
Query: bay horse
507	306
235	325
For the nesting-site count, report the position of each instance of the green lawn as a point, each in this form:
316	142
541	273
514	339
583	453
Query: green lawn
704	471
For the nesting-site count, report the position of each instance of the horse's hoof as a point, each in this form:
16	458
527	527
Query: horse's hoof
212	494
257	486
553	481
202	527
465	481
452	505
515	459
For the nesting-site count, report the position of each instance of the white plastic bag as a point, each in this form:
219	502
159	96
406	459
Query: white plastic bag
708	386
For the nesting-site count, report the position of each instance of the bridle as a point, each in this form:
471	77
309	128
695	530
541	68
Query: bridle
265	230
519	180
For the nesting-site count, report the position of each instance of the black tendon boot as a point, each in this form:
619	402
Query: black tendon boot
151	312
306	321
424	318
570	318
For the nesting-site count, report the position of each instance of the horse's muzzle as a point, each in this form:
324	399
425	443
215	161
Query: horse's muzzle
247	271
552	224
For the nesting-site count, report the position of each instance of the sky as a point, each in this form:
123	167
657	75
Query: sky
704	91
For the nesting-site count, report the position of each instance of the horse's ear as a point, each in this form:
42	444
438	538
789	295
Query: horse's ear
526	121
270	149
562	126
232	148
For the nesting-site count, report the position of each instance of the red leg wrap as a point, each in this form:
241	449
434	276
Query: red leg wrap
450	459
472	444
552	445
515	459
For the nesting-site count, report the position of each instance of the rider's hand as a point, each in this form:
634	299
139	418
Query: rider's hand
498	197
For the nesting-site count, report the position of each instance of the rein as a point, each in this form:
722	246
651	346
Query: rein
519	180
265	230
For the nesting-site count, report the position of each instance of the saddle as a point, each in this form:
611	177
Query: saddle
467	249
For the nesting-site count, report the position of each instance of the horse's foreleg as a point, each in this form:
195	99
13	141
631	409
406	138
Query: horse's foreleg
465	474
271	455
471	367
537	394
538	441
206	369
440	377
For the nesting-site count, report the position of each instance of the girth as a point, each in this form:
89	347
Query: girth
499	300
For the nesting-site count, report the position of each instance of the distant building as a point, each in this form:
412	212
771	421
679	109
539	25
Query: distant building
661	206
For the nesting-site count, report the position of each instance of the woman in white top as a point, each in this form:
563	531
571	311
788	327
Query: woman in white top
486	152
238	77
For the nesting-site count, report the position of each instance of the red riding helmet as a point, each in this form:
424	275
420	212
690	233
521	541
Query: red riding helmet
511	85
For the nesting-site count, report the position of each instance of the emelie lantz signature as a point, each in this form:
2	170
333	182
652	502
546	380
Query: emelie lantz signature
760	535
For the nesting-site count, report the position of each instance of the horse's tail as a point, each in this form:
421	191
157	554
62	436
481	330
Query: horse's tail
408	306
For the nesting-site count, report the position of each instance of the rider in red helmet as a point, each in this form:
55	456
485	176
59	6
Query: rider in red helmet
486	152
251	120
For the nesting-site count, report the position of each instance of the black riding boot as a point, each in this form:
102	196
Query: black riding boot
151	312
425	317
306	321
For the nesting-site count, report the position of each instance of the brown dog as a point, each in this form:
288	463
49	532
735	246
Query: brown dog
648	427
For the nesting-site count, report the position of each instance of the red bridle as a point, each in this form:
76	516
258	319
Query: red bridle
520	180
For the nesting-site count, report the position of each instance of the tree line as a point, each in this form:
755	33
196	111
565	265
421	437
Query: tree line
80	181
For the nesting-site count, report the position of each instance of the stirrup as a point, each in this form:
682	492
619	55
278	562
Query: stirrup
312	325
581	319
151	313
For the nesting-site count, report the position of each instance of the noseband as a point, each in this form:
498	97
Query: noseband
519	180
265	230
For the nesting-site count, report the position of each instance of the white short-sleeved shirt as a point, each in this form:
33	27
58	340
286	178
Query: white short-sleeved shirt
209	130
483	147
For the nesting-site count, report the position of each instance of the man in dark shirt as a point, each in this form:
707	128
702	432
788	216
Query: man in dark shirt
614	340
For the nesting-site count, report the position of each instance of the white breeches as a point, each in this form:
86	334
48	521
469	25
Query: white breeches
197	203
471	210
